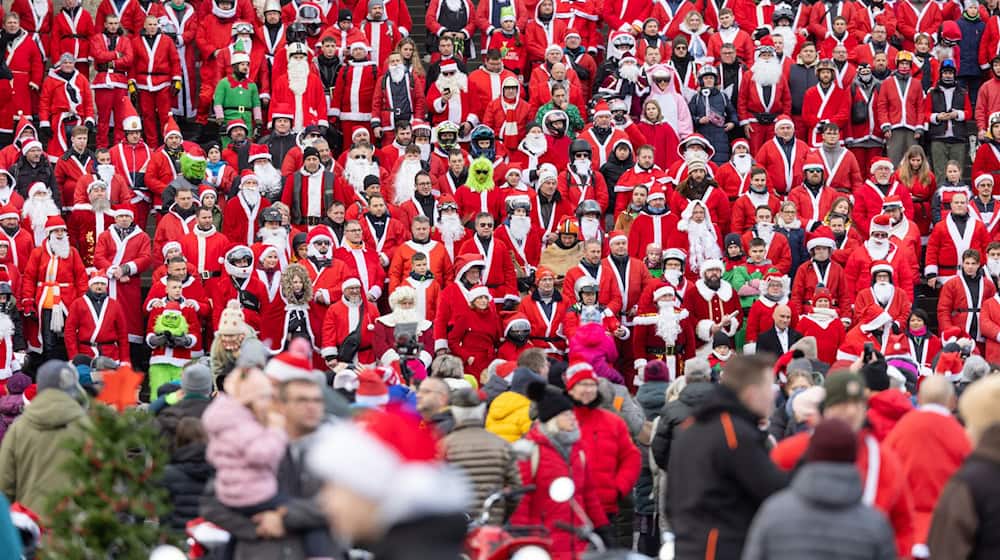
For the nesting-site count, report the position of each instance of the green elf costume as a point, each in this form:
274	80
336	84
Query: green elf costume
236	96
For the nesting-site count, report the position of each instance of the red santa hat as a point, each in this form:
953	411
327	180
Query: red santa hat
38	187
516	321
572	32
246	176
602	109
170	128
236	123
54	223
359	45
287	366
657	192
258	151
30	144
553	47
421	124
881	162
741	142
617	234
476	293
170	245
664	290
9	211
881	222
784	119
822	292
881	266
579	370
262	249
351	282
130	118
821	237
317	233
466	262
124	209
449	66
446	201
765	43
874	318
984	177
892	201
97	278
695	139
952	334
372	391
206	189
813	161
282	111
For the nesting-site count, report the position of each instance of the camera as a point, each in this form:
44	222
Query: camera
407	343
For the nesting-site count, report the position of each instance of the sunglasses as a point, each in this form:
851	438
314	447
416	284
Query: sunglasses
481	172
485	225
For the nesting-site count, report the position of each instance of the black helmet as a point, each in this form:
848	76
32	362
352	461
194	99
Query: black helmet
588	206
296	33
578	146
270	214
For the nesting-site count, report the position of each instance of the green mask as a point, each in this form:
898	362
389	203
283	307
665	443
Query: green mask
193	168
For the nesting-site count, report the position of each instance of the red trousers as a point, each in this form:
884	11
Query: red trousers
760	135
865	156
108	101
206	93
153	104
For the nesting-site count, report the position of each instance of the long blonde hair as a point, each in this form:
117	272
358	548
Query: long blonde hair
415	64
906	174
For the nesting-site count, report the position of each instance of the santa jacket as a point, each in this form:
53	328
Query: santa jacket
830	105
868	199
989	326
71	34
751	102
546	329
744	214
900	106
708	307
778	250
154	66
383	109
911	21
97	333
608	294
808	278
956	307
826	327
130	255
898	307
355	90
859	264
499	275
813	207
650	228
439	263
474	336
945	245
783	173
240	222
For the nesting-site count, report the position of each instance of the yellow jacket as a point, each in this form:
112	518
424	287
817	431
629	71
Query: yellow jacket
508	416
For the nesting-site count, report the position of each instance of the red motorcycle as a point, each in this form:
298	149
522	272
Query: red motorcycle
489	542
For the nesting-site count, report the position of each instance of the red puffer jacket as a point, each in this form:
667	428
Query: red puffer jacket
537	508
614	460
885	408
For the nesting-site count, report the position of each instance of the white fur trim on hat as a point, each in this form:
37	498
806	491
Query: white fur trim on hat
712	263
320	236
881	267
170	245
620	235
476	293
676	254
984	177
553	47
881	162
780	122
350	283
821	242
663	291
656	195
97	279
36	188
31	144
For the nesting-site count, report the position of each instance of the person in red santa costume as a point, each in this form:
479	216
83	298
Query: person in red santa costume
299	315
983	206
509	114
130	159
498	274
895	301
903	231
822	322
842	172
354	93
602	136
240	283
868	198
700	187
112	55
243	210
744	210
304	94
212	38
782	156
348	329
379	31
820	271
878	248
52	279
381	231
581	181
825	102
72	28
698	235
587	309
37	210
644	172
66	101
778	250
714	305
123	255
404	304
665	335
654	224
178	220
875	325
420	240
95	324
390	117
205	247
812	197
242	41
591	266
468	274
545	310
950	239
521	235
156	71
449	99
962	298
361	261
764	97
20	239
475	331
88	221
176	267
27	65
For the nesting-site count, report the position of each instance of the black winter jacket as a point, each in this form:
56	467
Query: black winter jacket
185	477
675	412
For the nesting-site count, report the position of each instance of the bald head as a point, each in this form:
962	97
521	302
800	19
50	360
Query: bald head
782	316
936	389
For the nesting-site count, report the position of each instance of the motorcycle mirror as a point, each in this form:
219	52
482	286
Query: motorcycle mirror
562	489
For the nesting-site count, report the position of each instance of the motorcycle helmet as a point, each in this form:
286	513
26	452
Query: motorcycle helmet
270	214
579	146
483	133
296	33
588	207
239	261
447	134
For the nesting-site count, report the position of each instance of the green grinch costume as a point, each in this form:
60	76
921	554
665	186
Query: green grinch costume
170	329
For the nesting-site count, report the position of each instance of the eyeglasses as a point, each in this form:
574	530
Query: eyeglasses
448	73
581	156
880	235
814	170
485	225
681	47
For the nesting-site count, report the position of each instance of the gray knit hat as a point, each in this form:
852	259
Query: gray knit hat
197	379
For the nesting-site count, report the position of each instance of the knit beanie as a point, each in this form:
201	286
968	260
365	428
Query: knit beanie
832	441
551	401
876	375
17	383
197	379
656	370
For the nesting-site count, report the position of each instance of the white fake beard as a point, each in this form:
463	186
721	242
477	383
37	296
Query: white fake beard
993	266
668	322
673	276
403	316
251	196
458	82
397	72
298	76
581	166
589	227
535	144
404	183
703	245
106	172
519	228
38	211
629	72
355	171
425	151
101	205
275	237
742	163
788	34
60	247
451	228
765	231
877	249
767	72
883	292
453	5
269	177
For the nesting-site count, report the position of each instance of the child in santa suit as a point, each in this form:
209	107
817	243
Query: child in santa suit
425	286
722	350
823	323
173	334
475	331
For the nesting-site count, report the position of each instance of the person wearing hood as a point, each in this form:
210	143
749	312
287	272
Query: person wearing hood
475	330
900	107
825	495
37	446
508	114
712	113
508	415
987	162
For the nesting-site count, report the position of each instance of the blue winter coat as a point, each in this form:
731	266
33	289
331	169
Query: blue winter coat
716	135
968	57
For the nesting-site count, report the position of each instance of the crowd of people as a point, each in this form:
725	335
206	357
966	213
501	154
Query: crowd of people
563	225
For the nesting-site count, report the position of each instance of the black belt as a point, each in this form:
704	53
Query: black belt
238	109
967	310
95	344
312	221
206	275
661	351
548	338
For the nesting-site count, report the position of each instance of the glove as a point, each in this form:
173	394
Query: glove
157	340
45	128
177	85
169	340
895	329
90	126
186	341
607	535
